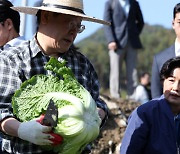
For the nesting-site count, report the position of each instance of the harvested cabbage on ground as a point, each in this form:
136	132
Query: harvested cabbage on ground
78	119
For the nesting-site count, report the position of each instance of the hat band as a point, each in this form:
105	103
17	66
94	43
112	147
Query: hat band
63	7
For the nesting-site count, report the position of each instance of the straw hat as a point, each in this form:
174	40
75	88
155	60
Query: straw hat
71	7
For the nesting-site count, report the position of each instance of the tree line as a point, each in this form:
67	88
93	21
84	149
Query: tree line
154	39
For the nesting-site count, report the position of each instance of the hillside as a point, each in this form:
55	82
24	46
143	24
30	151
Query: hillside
154	39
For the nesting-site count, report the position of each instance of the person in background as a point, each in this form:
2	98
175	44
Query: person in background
59	22
9	25
154	127
160	58
143	93
9	29
123	40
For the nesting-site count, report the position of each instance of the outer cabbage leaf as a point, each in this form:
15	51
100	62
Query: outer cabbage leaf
78	120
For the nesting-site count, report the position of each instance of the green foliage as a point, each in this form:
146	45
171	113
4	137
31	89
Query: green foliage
154	39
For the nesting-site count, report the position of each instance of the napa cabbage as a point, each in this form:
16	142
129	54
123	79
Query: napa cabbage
78	119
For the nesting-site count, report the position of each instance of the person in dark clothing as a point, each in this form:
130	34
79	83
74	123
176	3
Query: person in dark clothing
154	127
123	42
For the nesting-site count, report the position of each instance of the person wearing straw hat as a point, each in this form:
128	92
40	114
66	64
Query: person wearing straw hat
59	22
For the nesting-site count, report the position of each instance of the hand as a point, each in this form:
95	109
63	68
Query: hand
101	113
112	46
57	138
34	132
38	134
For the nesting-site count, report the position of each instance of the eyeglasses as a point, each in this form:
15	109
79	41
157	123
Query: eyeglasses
79	28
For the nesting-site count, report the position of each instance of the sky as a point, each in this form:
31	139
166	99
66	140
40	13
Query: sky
155	12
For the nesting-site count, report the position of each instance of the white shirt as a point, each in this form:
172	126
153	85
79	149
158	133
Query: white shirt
14	42
125	5
141	94
177	48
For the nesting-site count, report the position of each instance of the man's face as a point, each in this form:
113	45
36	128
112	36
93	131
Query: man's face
61	31
176	25
171	89
4	33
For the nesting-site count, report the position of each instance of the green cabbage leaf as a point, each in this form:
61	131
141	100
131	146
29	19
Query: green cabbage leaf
78	119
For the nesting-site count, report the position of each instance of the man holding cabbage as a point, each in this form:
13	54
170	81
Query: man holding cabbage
59	21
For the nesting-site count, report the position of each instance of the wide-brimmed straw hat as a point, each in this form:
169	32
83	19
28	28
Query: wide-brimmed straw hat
71	7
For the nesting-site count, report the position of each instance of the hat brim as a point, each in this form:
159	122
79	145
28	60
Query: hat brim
34	10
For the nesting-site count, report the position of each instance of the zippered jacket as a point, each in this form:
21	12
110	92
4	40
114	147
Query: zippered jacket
150	130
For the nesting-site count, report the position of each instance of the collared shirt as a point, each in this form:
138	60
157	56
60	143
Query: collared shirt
177	48
14	42
21	63
125	5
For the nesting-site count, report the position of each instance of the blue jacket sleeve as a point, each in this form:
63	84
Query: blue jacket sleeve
136	134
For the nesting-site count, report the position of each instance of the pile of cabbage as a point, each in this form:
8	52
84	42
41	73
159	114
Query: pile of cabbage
78	119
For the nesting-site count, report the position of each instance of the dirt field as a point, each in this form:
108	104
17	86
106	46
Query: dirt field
111	135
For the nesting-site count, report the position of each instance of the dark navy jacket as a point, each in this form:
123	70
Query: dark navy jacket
150	130
123	28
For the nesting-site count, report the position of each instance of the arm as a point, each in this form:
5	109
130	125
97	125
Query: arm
108	16
94	90
10	82
102	110
10	126
139	18
136	134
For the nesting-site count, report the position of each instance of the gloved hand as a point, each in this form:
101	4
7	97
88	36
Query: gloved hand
38	134
57	138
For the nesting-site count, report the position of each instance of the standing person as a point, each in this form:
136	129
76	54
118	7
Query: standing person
9	28
9	25
161	57
123	41
142	92
154	127
59	23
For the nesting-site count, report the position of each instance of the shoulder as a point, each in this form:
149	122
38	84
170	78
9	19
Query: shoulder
81	60
149	109
139	88
14	52
79	56
108	3
134	2
166	51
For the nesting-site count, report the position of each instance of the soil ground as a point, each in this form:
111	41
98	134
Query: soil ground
112	133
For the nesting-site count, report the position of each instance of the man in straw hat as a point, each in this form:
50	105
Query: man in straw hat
59	22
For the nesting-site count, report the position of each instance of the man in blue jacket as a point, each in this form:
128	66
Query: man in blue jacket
153	128
123	41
